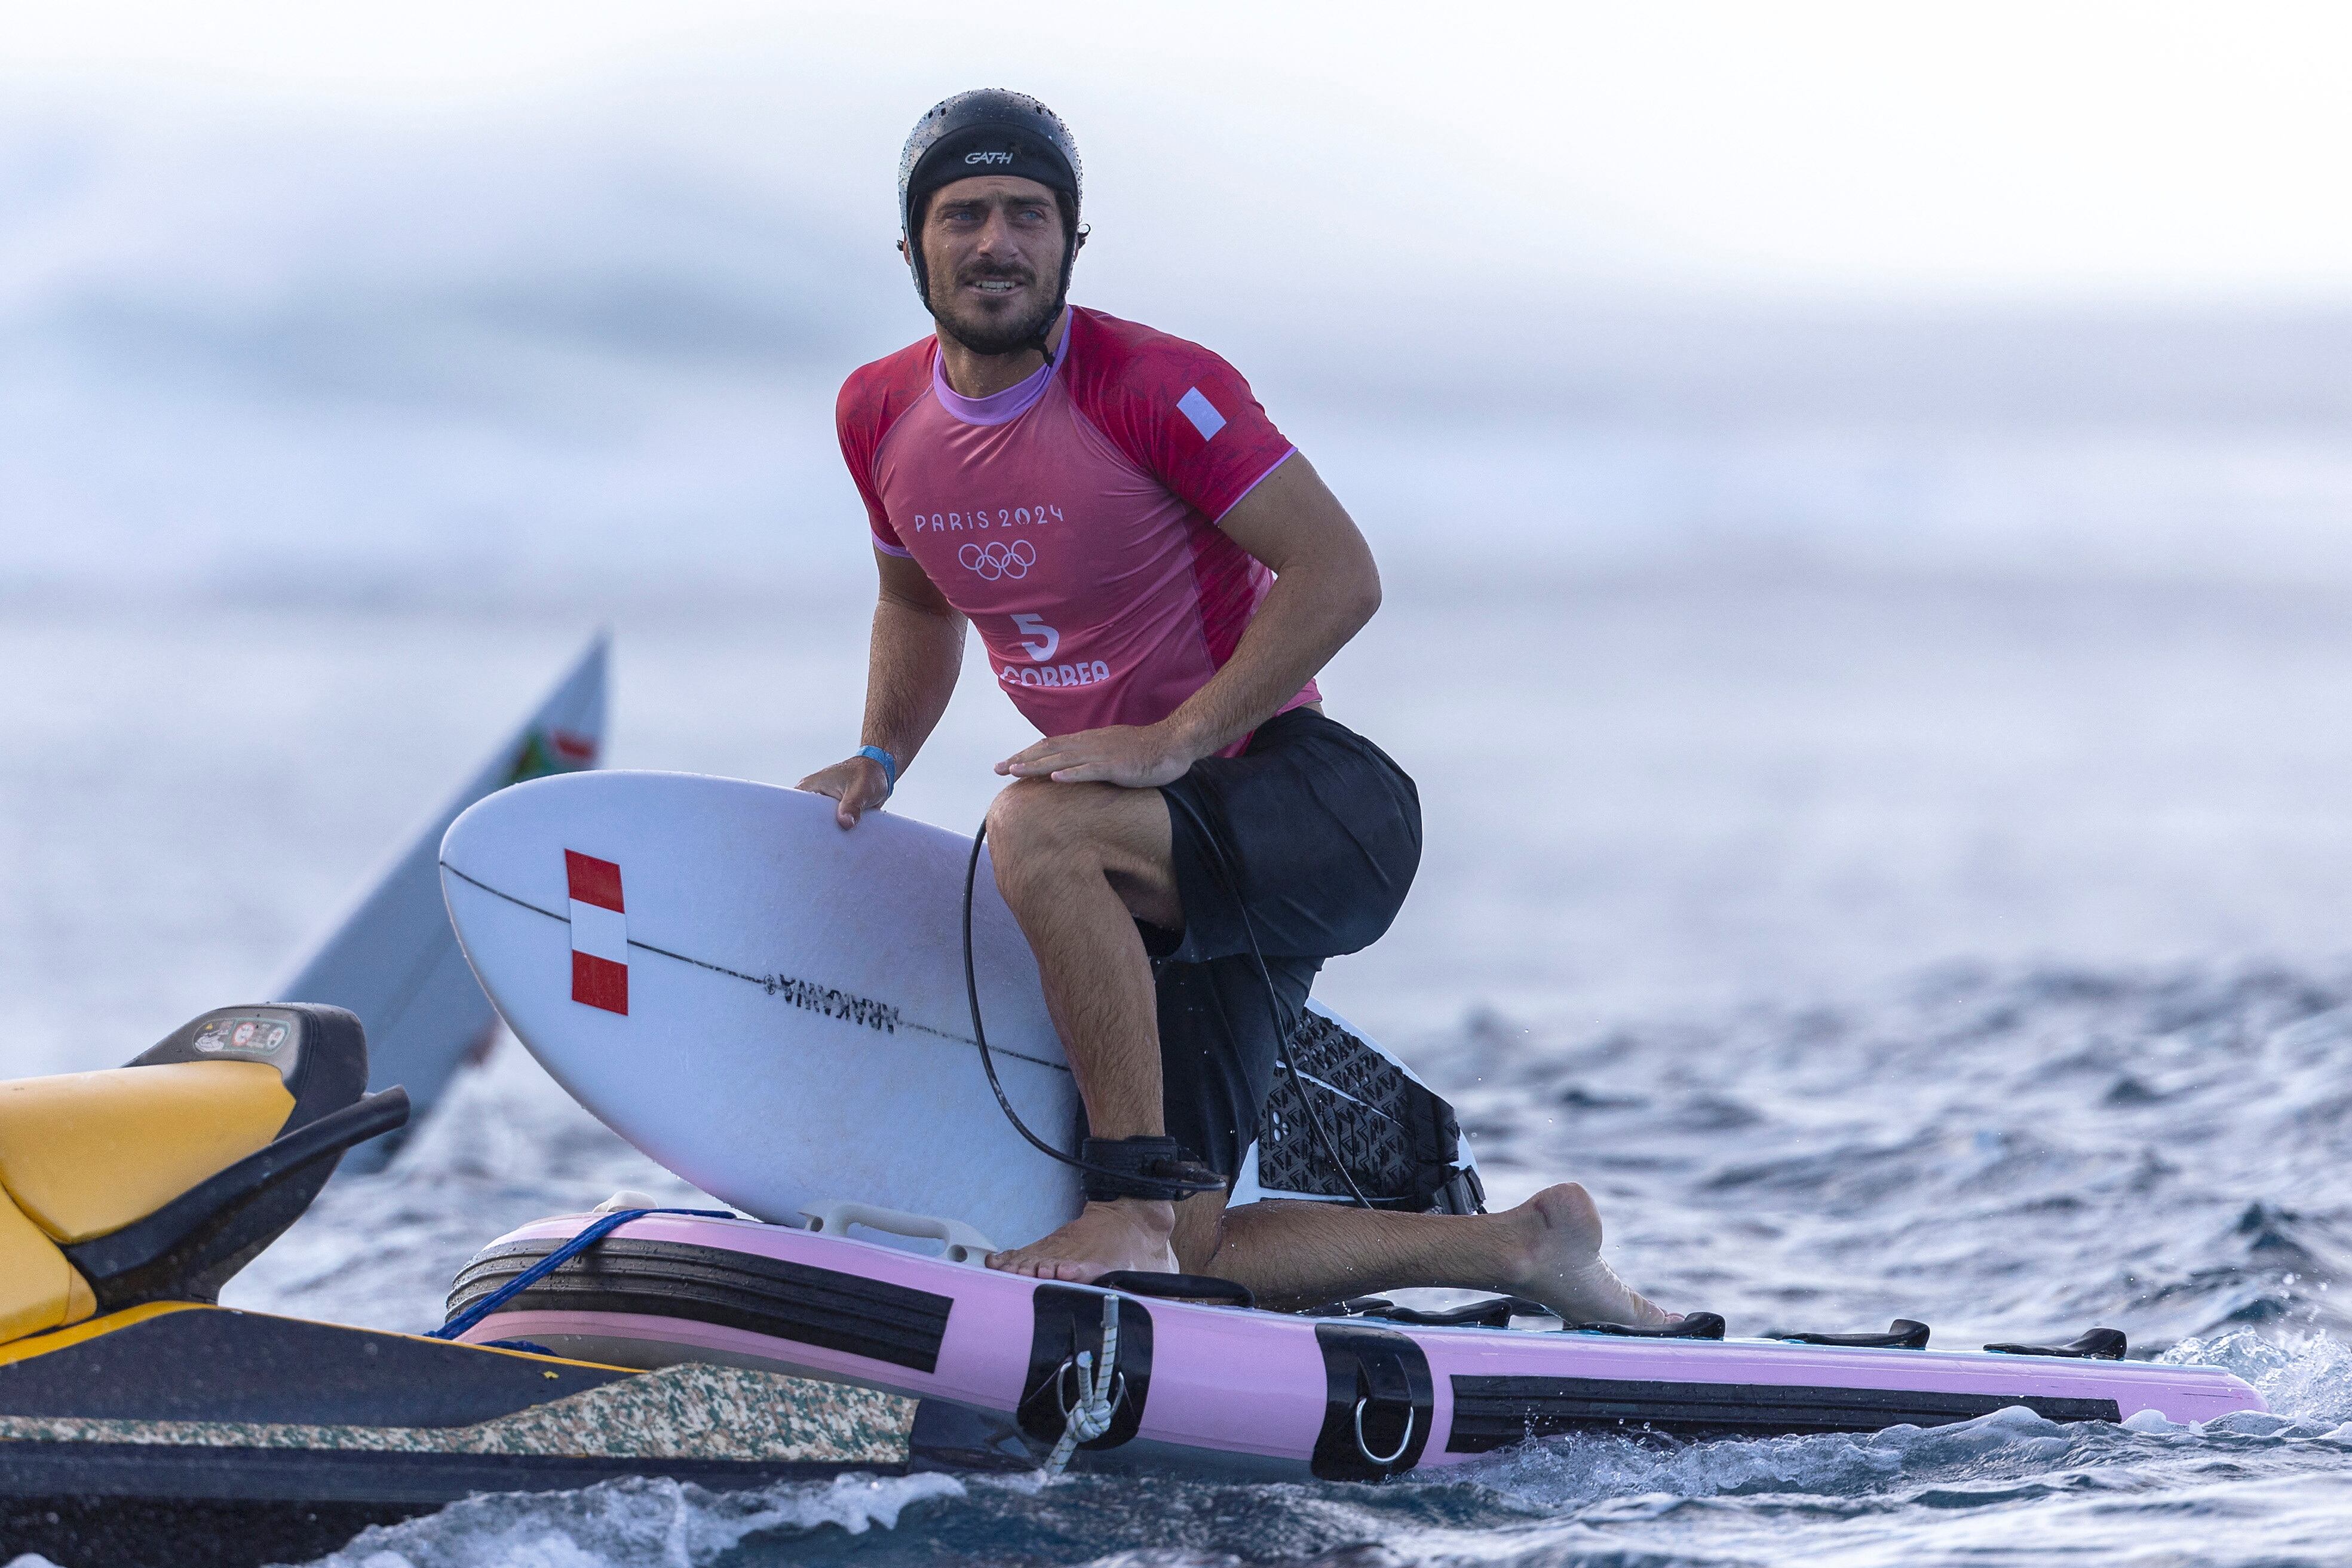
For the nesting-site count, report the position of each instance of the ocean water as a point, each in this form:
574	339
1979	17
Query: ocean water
1964	950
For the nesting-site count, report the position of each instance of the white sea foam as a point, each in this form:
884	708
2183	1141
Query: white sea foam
2306	1377
1577	1472
633	1523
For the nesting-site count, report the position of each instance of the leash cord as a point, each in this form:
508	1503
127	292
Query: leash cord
1273	1000
988	1062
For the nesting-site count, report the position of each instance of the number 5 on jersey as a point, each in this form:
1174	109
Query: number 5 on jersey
1038	638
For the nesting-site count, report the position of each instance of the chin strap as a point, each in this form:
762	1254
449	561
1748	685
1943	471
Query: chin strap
1045	349
1061	297
1159	1169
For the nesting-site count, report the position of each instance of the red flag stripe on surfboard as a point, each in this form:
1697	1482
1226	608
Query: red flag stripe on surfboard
593	880
600	983
600	933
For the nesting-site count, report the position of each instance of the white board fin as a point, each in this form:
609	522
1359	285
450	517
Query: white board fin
393	959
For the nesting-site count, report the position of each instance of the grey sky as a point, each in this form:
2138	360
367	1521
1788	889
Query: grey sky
2053	150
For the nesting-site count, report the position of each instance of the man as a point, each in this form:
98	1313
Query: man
1158	575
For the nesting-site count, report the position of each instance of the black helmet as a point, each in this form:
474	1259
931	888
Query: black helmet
989	131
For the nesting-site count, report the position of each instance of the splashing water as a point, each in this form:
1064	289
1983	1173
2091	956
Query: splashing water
648	1521
2305	1377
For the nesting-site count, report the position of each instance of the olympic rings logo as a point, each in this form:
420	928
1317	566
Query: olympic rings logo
997	559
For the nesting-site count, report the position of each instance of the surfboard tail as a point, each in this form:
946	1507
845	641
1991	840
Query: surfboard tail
392	958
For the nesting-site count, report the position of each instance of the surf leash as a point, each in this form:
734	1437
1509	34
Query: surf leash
556	1260
1273	1006
1173	1180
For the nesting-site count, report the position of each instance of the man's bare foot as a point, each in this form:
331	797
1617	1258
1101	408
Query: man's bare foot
1126	1234
1561	1265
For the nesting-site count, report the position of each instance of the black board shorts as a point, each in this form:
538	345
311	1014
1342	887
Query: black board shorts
1309	840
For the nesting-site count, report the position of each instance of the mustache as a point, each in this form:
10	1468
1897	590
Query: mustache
984	272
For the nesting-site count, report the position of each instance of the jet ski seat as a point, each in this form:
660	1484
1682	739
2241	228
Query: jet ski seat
160	1179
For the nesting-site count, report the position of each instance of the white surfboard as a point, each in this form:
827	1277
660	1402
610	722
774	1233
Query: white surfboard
768	1006
392	958
774	1008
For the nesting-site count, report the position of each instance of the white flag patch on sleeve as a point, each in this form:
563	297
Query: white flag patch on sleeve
1201	413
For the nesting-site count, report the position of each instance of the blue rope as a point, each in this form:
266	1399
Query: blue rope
557	1259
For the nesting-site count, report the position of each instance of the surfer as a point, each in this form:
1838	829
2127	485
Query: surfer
1158	575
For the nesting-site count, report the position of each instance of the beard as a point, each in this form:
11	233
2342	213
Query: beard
985	332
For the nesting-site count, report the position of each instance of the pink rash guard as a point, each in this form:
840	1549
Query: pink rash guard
1074	516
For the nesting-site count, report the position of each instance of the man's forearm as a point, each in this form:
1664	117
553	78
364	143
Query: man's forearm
1325	587
910	672
1306	617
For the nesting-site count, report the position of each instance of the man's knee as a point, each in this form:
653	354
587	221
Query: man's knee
1042	833
1037	813
1038	827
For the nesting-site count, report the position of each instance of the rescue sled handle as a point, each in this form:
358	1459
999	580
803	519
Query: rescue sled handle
833	1216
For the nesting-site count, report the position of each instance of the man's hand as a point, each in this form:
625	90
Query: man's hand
1137	756
857	786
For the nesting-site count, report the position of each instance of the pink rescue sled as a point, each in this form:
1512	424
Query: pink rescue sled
1005	1365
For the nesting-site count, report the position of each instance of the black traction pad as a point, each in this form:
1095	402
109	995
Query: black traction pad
1397	1138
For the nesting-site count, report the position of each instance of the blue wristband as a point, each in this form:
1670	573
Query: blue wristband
889	767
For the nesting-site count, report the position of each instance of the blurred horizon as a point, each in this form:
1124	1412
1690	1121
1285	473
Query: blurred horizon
554	301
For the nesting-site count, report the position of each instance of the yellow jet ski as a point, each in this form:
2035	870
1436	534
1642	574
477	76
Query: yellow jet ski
140	1421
